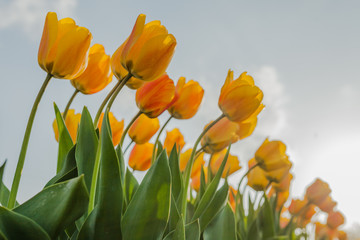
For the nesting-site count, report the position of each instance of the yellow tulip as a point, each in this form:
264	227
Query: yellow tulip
72	122
306	215
327	205
140	156
199	161
279	174
64	47
297	206
142	130
173	137
271	155
256	177
117	127
190	97
239	98
148	50
317	191
195	179
284	185
231	166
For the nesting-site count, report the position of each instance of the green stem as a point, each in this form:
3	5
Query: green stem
105	102
21	161
128	146
128	127
157	138
122	84
94	180
248	171
69	103
191	162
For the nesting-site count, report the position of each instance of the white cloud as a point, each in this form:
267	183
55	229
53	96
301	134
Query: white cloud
30	14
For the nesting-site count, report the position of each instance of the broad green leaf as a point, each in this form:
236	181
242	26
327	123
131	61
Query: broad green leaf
16	226
176	179
214	207
267	219
254	232
68	170
121	163
211	189
57	206
178	233
148	211
202	182
190	209
174	215
104	221
2	236
192	230
222	227
65	141
131	186
159	149
4	191
87	142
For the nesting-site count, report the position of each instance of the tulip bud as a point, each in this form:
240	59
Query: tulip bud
231	166
317	192
140	156
297	206
143	129
256	177
327	205
335	219
173	137
271	155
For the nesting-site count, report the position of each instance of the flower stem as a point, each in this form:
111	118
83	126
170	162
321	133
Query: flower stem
21	161
118	89
69	103
191	162
128	127
157	138
128	146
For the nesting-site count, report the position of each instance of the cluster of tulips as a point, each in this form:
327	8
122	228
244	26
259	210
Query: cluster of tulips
94	195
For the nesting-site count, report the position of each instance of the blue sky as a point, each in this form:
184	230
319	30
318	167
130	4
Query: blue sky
303	54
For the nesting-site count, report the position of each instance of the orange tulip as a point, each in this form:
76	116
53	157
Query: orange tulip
72	122
140	156
317	192
247	127
256	177
232	197
279	174
284	221
306	215
173	137
156	96
97	74
195	179
143	129
220	136
335	219
297	206
342	235
271	155
64	47
117	127
148	50
184	159
190	97
282	198
231	166
239	98
284	185
327	205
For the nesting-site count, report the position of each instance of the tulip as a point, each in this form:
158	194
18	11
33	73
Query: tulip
173	137
306	215
231	166
220	136
140	156
155	97
284	221
64	47
97	74
247	127
271	155
282	198
148	50
342	235
239	98
284	185
327	205
184	159
117	127
72	122
335	219
297	206
195	179
279	174
190	97
317	192
143	129
232	197
256	177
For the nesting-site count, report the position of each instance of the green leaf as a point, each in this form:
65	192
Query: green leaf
4	191
174	215
121	163
65	141
87	143
178	233
211	189
176	179
267	219
131	185
104	221
192	230
68	170
202	183
214	207
147	213
254	232
57	206
222	227
16	226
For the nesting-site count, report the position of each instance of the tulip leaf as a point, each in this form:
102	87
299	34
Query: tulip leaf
214	207
174	215
120	155
148	211
57	206
202	182
223	226
131	185
65	141
211	189
87	142
176	178
192	231
266	218
68	170
178	233
104	221
16	226
4	191
253	231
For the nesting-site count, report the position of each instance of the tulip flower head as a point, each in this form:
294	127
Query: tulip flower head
97	74
117	127
335	219
190	97
173	137
140	156
155	97
72	122
256	177
317	192
271	155
239	98
185	157
277	175
327	205
231	166
297	206
284	185
148	50
143	129
64	47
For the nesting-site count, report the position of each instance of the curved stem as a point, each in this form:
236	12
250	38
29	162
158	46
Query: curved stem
191	162
128	146
69	103
105	102
21	161
157	138
202	148
248	171
128	127
94	180
118	89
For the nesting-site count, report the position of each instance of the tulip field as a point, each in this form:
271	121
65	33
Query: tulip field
185	193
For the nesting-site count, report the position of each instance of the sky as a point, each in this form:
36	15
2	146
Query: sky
304	55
